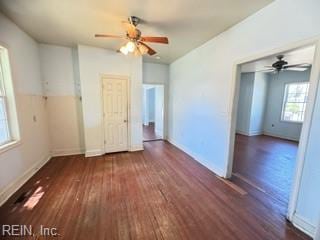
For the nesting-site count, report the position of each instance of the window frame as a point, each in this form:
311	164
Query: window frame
9	101
285	101
3	95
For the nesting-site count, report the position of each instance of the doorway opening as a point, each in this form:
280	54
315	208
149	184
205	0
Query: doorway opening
153	112
271	110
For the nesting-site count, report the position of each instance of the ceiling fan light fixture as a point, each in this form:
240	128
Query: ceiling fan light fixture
130	46
124	50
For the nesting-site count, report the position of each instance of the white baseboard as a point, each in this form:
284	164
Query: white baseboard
14	186
300	223
256	133
94	152
196	157
66	152
243	133
280	136
99	152
250	134
135	148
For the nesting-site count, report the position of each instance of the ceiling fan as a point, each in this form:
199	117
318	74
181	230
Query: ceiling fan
282	65
136	42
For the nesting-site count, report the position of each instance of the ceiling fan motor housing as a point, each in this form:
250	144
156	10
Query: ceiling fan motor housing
134	20
280	63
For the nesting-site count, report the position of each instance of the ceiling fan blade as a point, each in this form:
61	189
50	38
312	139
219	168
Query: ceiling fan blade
163	40
130	28
108	36
301	65
266	70
298	69
150	50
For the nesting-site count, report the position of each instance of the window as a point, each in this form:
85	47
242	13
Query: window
4	123
295	101
9	129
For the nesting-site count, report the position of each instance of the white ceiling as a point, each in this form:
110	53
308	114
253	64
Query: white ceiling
187	23
299	56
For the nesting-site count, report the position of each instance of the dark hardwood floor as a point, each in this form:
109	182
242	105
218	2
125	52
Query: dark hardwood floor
158	193
267	164
149	133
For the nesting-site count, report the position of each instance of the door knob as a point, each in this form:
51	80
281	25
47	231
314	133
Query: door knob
125	120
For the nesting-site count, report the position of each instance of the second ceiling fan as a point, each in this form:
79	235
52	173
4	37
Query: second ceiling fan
282	65
136	42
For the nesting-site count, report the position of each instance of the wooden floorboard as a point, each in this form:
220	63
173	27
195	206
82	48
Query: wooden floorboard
158	193
266	164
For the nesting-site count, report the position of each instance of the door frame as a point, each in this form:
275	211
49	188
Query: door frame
165	109
317	235
314	84
120	77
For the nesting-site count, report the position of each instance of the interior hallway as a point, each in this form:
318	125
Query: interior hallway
158	193
149	132
266	164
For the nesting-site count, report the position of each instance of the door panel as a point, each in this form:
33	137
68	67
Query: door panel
115	107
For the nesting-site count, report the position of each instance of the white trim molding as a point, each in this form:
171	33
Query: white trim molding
135	148
305	132
302	224
250	134
15	185
94	152
67	152
280	136
317	234
10	145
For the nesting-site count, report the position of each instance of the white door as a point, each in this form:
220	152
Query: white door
115	107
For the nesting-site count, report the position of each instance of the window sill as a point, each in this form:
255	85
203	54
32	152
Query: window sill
9	145
294	122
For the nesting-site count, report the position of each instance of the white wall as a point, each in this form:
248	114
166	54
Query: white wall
145	107
149	98
273	124
63	99
96	61
155	73
308	208
159	110
20	162
252	103
201	81
151	104
258	107
245	103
